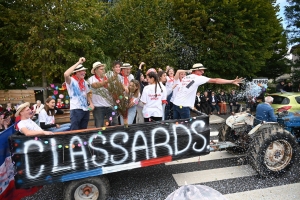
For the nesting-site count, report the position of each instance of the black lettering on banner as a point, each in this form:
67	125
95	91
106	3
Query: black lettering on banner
51	159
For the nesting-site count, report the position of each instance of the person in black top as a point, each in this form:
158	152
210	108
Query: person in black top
213	100
198	102
233	101
205	107
222	102
288	87
280	87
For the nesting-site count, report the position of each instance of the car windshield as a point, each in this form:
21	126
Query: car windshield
280	100
298	99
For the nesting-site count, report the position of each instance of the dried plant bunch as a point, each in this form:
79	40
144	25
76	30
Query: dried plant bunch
115	95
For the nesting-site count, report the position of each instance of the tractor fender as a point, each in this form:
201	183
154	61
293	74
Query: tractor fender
266	125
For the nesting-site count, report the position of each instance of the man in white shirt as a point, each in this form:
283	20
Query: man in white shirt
26	125
78	91
185	96
102	108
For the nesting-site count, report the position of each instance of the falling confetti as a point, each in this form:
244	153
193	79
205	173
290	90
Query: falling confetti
79	145
180	107
116	107
66	146
110	118
113	113
107	123
118	101
60	146
46	142
99	132
103	128
35	138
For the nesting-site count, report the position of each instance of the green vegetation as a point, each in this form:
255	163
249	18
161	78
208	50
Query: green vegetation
41	39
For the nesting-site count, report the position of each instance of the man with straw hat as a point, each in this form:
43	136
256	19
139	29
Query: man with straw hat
26	125
126	75
78	91
184	99
102	108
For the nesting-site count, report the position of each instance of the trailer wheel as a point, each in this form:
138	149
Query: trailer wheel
272	152
93	188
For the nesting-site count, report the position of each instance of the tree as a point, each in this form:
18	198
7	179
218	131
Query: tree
47	37
229	37
292	15
139	30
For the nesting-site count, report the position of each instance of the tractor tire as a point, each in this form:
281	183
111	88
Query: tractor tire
92	188
272	151
224	135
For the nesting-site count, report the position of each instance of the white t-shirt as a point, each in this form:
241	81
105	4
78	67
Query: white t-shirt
176	89
189	85
78	98
98	100
169	85
38	109
29	124
43	117
153	105
164	89
130	77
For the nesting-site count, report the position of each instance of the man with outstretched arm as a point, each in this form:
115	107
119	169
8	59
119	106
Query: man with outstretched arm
78	91
185	96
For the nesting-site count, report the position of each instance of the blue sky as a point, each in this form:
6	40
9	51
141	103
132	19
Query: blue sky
282	3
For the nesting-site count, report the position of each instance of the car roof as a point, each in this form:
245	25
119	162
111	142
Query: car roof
285	94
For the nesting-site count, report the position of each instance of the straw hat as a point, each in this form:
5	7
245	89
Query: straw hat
197	66
95	65
79	68
21	107
126	65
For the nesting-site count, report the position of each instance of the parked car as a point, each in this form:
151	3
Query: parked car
286	101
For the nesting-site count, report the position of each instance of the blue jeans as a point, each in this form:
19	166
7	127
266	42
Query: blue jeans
131	115
168	107
181	113
79	119
100	113
63	127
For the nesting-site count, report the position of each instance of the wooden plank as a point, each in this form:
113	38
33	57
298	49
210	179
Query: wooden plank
15	96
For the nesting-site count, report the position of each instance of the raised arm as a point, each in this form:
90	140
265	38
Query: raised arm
138	73
69	71
236	81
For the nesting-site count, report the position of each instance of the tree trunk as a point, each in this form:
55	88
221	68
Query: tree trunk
44	84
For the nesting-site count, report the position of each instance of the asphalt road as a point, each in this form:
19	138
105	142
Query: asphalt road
219	170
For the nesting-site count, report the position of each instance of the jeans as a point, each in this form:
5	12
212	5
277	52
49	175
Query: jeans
181	112
79	119
131	115
139	113
63	127
215	107
235	104
168	107
100	113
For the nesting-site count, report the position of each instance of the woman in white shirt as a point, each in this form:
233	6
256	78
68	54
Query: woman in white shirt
162	76
47	120
152	97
